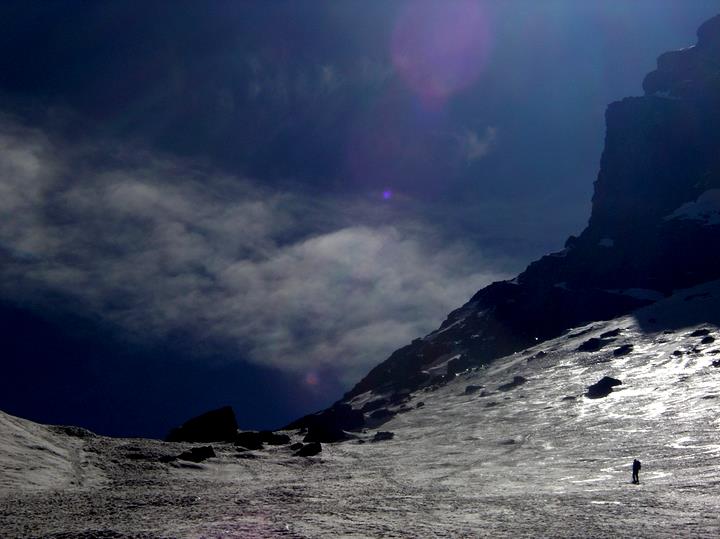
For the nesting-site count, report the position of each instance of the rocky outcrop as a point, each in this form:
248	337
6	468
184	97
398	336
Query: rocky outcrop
623	350
503	318
642	241
273	438
309	450
594	344
255	440
249	440
691	72
515	382
700	332
329	426
602	388
75	432
197	454
383	435
215	426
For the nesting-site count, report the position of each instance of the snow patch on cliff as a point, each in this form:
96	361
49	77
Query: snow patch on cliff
705	209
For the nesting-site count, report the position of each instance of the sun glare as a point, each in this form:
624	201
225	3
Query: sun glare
441	48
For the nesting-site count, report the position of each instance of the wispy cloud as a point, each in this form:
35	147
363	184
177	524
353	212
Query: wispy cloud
158	246
474	146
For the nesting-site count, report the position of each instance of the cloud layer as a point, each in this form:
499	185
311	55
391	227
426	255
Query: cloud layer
163	248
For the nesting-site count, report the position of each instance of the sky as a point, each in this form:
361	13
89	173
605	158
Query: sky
253	203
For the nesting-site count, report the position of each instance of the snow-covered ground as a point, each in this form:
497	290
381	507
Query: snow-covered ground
540	459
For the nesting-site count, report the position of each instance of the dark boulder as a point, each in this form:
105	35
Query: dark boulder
383	435
623	350
255	440
309	450
296	446
249	440
330	425
517	381
215	426
700	333
594	344
197	454
272	438
708	340
469	390
612	333
420	404
602	388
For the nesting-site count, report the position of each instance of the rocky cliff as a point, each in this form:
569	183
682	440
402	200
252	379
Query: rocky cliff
654	227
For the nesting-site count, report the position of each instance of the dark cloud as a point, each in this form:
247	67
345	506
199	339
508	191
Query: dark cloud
156	247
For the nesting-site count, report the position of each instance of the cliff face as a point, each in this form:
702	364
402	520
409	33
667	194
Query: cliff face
661	149
689	73
655	227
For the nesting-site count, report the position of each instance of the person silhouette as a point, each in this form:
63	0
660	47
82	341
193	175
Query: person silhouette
636	472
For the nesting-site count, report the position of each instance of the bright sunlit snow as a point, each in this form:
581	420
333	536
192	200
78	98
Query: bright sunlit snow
540	459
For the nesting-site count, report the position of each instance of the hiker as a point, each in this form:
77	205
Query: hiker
636	472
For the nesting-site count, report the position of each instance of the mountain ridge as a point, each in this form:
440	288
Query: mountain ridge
658	158
533	445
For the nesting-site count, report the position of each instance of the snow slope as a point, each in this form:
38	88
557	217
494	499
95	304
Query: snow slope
35	457
540	459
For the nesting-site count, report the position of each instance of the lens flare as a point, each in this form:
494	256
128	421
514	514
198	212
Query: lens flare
312	379
439	48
